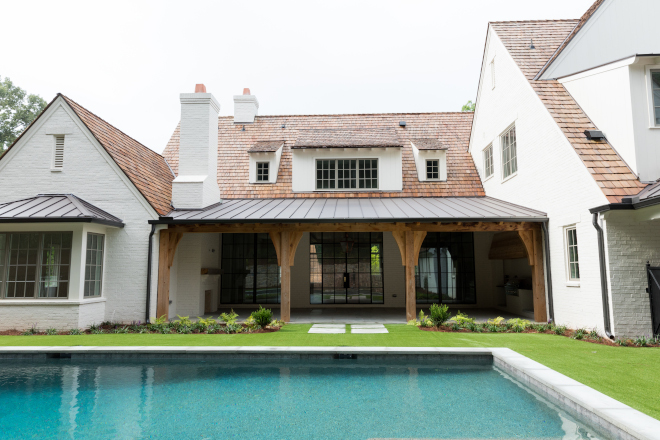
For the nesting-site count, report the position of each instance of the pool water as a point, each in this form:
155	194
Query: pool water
292	399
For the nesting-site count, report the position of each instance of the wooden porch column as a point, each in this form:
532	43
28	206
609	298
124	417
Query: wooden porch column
163	302
534	245
411	299
285	304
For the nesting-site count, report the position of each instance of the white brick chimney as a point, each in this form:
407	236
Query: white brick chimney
196	186
246	107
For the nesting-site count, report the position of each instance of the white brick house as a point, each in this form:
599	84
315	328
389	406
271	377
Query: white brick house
493	210
552	81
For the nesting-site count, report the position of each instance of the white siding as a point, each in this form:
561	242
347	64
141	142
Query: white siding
617	30
550	178
90	174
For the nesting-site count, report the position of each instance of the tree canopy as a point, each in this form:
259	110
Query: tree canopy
469	107
17	111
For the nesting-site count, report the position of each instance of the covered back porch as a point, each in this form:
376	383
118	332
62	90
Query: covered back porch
352	265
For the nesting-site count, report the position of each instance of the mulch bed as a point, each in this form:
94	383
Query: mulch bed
568	333
109	330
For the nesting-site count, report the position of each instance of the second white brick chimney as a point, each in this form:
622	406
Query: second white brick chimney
196	185
246	107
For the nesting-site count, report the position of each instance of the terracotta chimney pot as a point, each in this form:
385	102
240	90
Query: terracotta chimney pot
201	88
246	91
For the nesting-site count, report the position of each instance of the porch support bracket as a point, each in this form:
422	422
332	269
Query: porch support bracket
533	241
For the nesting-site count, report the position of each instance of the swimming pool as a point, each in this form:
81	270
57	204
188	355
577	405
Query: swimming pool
273	399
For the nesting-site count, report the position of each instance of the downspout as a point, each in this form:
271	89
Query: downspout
603	277
551	307
153	229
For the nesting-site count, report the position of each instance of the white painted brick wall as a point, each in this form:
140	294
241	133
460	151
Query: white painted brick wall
551	178
631	243
91	175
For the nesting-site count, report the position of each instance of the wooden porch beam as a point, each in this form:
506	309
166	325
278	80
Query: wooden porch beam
355	227
538	279
285	303
163	299
175	238
527	238
411	297
276	238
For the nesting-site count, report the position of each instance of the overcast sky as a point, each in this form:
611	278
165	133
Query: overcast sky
127	61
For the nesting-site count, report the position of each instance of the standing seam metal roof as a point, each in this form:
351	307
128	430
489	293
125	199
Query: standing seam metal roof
358	210
55	208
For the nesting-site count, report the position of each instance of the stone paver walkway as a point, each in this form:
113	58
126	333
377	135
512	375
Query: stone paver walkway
368	328
328	328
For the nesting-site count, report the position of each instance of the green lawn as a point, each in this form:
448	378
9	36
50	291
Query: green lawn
631	375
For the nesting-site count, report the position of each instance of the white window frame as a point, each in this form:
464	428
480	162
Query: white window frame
504	163
267	180
53	162
570	281
487	153
87	263
357	178
650	70
437	166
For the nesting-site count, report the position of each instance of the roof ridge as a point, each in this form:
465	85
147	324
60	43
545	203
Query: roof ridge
66	98
351	114
536	21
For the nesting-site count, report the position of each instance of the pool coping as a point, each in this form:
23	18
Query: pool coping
601	411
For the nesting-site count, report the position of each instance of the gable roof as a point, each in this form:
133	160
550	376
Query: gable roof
145	168
347	138
451	129
55	208
610	172
578	26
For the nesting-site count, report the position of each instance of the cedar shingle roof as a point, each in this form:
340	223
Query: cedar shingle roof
611	173
266	146
583	20
347	138
428	144
146	169
451	129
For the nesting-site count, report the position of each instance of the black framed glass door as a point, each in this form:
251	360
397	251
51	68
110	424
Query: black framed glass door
346	268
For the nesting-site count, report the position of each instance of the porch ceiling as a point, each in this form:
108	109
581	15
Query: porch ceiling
333	210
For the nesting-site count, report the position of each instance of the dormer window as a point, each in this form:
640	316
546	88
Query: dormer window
262	171
432	169
58	153
334	174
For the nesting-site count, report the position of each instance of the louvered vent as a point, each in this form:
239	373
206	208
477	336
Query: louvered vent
58	157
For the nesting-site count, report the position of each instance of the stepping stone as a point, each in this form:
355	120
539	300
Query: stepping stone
367	326
368	329
328	328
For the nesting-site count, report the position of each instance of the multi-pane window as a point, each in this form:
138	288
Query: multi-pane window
35	264
346	268
488	161
433	169
509	155
655	81
250	274
333	174
262	171
445	272
572	254
94	264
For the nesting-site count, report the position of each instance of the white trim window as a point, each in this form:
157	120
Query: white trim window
655	91
35	264
432	169
262	171
488	161
94	265
58	153
343	174
509	153
572	259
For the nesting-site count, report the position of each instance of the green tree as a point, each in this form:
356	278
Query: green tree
469	107
17	111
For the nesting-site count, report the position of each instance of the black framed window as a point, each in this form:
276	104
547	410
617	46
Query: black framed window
250	274
346	268
262	171
445	271
35	264
432	169
332	174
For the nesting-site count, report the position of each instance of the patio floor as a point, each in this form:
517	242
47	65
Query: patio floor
366	315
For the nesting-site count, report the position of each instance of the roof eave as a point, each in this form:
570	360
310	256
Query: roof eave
64	220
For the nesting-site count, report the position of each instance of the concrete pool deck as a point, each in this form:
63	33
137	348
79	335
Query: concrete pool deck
608	416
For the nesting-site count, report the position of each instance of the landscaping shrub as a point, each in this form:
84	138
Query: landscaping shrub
518	323
229	318
496	321
262	317
75	331
642	341
439	314
51	331
233	328
580	334
462	319
560	329
97	331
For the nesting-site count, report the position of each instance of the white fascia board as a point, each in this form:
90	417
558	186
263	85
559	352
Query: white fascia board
481	80
601	69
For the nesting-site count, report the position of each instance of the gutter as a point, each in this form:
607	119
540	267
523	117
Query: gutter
198	221
603	276
151	235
